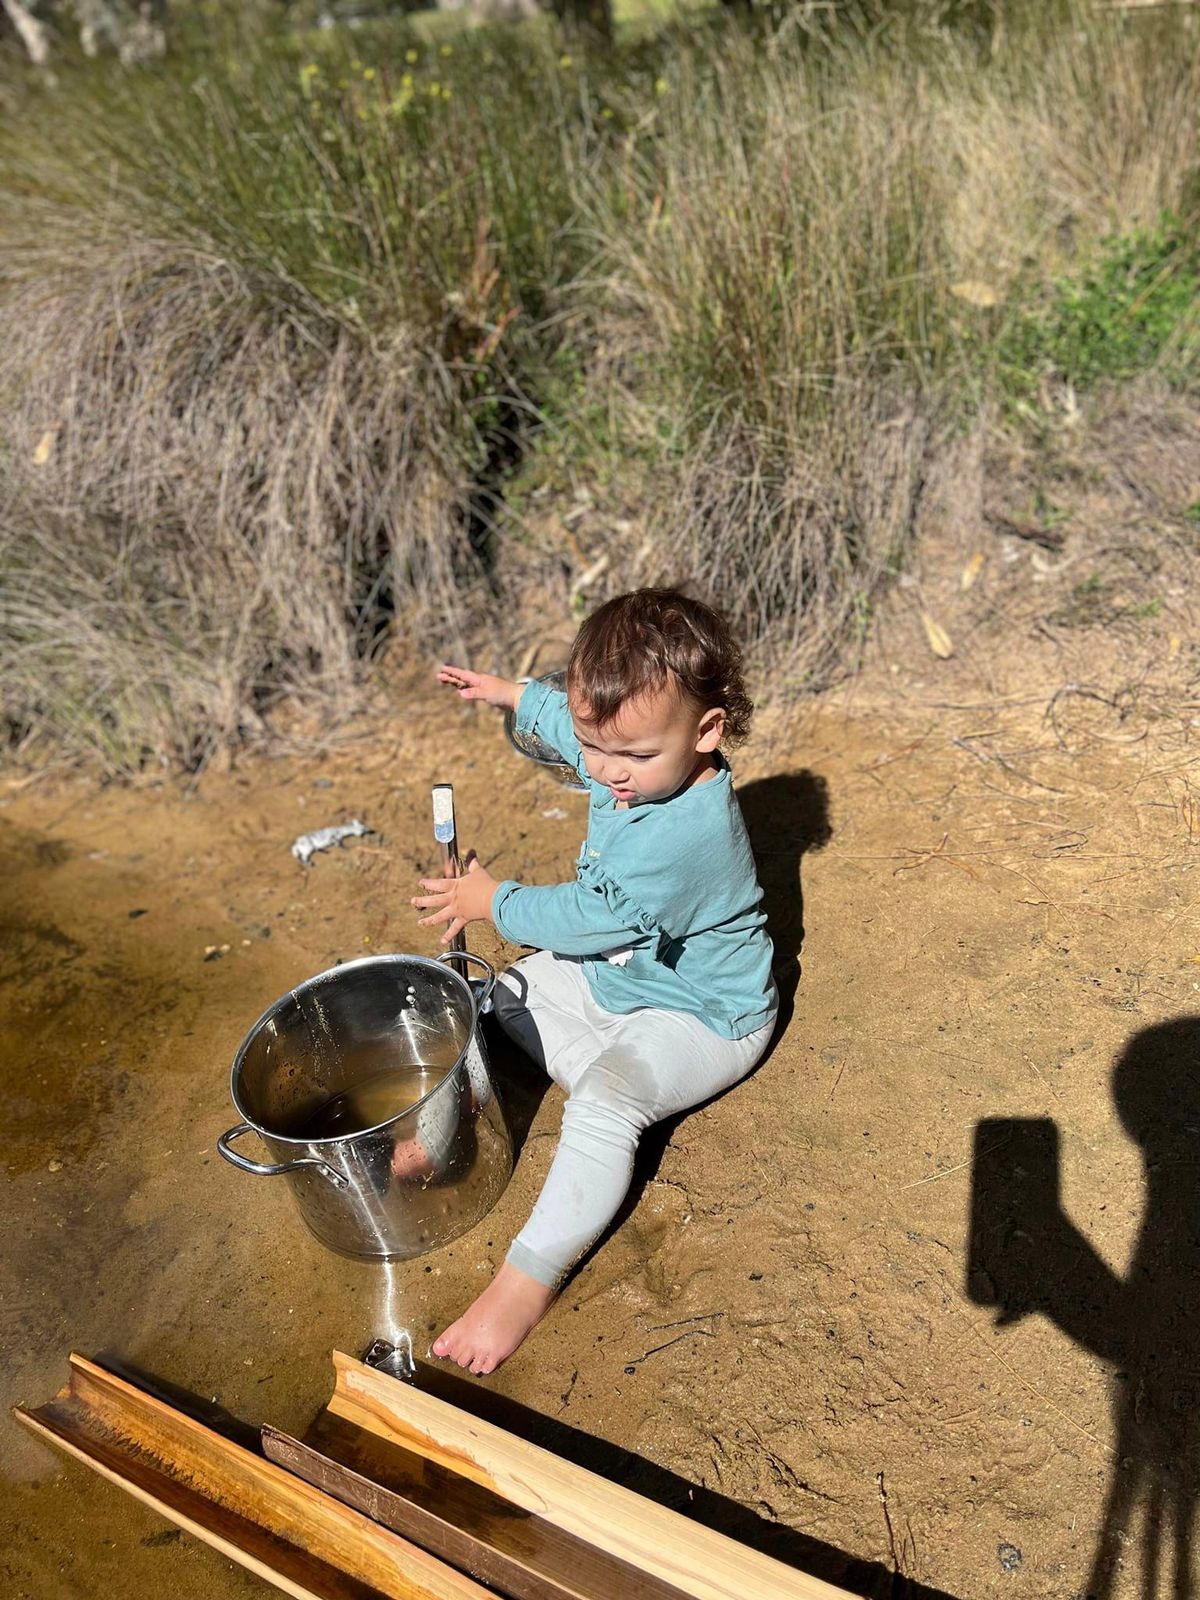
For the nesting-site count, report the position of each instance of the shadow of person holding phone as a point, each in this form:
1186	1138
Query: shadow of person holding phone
1026	1256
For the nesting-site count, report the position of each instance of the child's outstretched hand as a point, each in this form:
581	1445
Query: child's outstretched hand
501	692
458	900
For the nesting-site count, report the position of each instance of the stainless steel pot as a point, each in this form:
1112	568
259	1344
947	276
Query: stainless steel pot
535	749
414	1180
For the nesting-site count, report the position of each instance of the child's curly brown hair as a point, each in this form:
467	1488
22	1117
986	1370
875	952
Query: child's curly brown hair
639	642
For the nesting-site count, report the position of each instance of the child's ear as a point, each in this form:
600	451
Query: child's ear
711	730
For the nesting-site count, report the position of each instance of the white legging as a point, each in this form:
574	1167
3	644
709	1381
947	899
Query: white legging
620	1074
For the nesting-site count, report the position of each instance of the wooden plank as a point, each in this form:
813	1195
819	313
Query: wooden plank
704	1564
517	1552
249	1508
305	1579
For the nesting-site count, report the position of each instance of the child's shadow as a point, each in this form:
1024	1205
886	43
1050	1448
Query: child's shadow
1026	1255
786	816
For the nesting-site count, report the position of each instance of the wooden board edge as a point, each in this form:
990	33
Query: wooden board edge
61	1441
92	1387
716	1567
347	1370
425	1568
473	1555
555	1566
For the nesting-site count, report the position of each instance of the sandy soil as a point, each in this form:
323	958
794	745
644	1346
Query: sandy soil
991	863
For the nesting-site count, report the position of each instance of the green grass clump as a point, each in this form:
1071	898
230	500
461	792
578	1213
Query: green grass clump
1133	309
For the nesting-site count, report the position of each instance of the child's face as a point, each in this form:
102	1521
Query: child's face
653	746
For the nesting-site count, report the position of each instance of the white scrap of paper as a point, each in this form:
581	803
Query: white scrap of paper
306	846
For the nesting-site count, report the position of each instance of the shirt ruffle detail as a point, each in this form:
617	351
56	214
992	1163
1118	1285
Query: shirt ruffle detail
622	905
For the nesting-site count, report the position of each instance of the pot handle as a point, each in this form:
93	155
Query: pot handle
261	1169
490	983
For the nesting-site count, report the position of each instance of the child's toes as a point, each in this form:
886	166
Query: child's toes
410	1159
453	1346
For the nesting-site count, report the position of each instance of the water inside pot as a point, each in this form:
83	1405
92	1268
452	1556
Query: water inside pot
377	1099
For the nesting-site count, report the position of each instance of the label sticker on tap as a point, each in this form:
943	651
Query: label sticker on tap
443	813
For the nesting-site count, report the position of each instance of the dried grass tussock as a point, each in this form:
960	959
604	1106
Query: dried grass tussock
290	345
807	228
1097	136
793	552
828	256
208	507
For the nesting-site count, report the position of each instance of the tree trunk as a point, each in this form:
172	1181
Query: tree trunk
31	32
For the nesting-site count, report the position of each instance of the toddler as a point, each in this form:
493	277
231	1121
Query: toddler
650	989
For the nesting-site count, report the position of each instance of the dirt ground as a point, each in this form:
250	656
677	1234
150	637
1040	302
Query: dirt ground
985	1099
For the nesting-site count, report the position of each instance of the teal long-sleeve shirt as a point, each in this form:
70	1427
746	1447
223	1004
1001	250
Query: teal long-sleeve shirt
665	910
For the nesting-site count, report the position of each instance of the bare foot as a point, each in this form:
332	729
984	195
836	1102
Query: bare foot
492	1327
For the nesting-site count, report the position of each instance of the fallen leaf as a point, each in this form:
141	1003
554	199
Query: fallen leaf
1196	959
972	570
939	640
1174	645
1039	563
43	448
975	293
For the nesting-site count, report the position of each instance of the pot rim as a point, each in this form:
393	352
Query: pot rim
300	988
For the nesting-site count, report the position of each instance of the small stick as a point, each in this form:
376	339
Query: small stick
446	834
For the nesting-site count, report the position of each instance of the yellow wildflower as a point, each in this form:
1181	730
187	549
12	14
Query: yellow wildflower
411	55
369	74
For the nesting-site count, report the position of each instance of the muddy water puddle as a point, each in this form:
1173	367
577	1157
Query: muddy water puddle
61	1073
75	1023
126	1235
